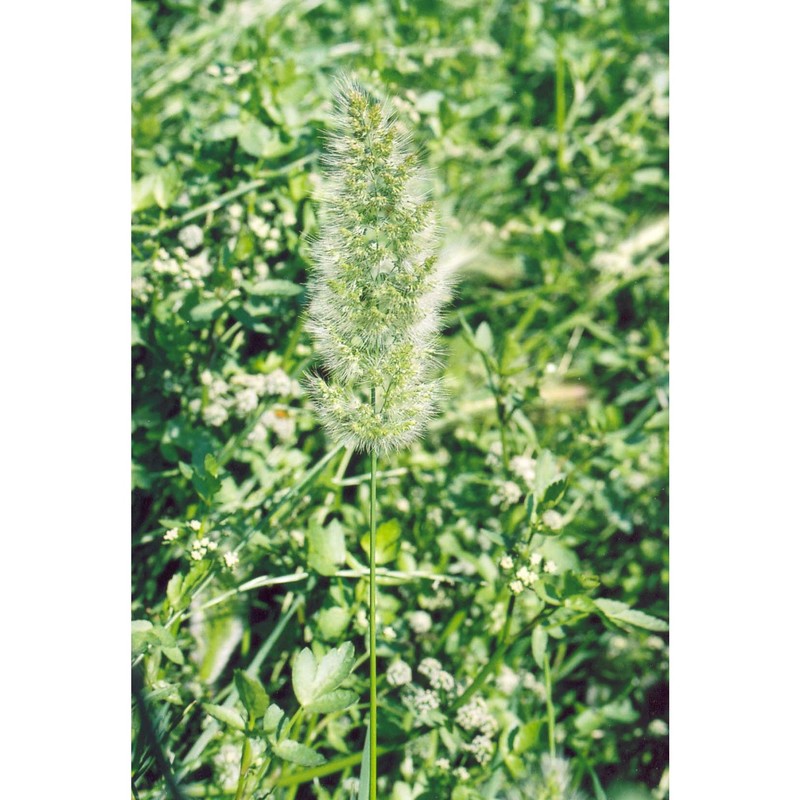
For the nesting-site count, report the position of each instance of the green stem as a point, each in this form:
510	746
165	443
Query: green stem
247	754
561	107
373	658
551	714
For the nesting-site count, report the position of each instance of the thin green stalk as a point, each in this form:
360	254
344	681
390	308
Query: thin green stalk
561	106
551	714
373	659
247	754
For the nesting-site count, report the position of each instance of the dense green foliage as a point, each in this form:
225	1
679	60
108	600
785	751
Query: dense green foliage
523	541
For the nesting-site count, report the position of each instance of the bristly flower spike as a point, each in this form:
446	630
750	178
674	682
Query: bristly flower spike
376	289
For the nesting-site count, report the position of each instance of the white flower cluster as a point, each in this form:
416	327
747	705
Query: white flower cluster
420	622
377	287
241	394
227	761
481	747
429	667
187	271
398	673
200	547
475	715
526	574
507	494
524	467
420	700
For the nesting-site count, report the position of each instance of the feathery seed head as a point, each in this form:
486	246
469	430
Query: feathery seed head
377	289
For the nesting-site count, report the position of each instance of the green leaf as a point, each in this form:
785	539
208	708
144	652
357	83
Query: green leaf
326	548
273	287
333	622
546	474
260	141
251	693
387	542
363	775
539	645
167	186
554	492
142	636
303	673
483	339
175	590
311	680
334	667
205	311
272	719
225	715
337	700
297	753
622	613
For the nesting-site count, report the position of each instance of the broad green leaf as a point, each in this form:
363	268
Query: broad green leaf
297	753
333	668
387	541
620	612
205	311
260	141
333	622
326	548
251	693
546	474
539	645
272	719
175	590
303	673
142	635
224	129
225	715
167	186
337	700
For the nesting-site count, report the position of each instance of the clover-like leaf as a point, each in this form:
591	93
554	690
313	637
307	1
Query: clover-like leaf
297	753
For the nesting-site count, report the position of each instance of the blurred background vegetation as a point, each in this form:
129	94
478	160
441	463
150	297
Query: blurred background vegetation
545	129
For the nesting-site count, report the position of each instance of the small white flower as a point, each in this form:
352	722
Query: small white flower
171	535
461	773
550	567
194	524
443	680
402	505
429	667
420	622
507	494
536	559
435	517
507	680
231	560
524	467
553	519
278	382
516	587
398	674
443	763
389	633
191	237
215	414
259	227
246	401
351	785
506	562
